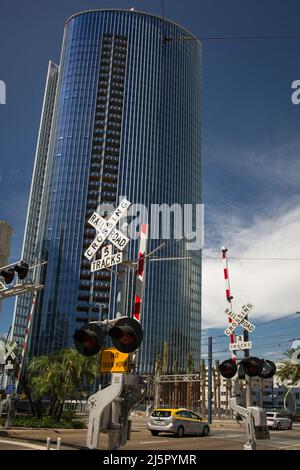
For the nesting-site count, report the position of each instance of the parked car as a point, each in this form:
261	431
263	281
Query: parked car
178	421
277	421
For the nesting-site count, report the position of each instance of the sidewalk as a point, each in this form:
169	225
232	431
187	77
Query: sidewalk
73	438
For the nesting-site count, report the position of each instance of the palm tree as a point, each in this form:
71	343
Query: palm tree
59	375
74	368
39	370
289	370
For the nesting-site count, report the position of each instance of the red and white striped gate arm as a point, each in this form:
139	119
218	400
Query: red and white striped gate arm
25	342
229	297
140	273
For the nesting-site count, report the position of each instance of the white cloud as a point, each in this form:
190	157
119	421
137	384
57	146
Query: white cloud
272	286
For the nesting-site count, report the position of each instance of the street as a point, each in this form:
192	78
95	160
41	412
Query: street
227	436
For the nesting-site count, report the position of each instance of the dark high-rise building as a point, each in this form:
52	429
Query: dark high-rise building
121	117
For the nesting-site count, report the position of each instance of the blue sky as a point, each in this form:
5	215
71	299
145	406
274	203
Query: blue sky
251	141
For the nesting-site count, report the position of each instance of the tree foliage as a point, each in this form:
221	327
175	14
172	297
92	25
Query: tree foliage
58	376
289	370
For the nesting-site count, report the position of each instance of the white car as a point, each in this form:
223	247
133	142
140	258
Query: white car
277	421
178	421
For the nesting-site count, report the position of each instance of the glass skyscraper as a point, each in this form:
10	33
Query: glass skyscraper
121	117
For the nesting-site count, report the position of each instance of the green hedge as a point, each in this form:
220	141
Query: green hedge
45	422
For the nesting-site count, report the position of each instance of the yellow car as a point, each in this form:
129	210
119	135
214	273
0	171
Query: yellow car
178	421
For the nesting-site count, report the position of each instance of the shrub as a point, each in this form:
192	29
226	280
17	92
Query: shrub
45	422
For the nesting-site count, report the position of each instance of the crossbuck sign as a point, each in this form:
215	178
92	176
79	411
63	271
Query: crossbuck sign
239	320
10	355
107	231
10	350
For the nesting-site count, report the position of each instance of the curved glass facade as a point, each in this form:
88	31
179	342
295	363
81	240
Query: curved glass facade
126	122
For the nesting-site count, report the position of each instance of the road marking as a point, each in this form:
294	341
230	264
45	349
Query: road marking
23	444
154	442
226	436
292	445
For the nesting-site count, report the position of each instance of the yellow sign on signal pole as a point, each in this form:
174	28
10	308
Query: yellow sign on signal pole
112	360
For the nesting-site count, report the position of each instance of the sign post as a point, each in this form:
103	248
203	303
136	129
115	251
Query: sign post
9	358
106	413
241	342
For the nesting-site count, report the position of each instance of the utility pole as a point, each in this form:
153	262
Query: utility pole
209	395
203	386
218	386
247	378
157	382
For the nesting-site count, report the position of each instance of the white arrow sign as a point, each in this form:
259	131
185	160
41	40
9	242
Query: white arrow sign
106	230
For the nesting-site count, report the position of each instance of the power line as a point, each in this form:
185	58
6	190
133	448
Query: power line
252	259
225	339
278	319
260	324
225	350
232	38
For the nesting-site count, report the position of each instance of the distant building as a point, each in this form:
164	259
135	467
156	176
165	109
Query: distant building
121	117
5	243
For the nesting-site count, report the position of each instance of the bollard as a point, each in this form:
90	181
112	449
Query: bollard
48	443
58	443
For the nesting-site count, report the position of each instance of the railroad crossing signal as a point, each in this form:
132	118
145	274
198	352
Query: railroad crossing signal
20	268
106	230
126	335
251	366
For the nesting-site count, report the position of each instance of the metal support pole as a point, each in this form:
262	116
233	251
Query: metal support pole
9	412
248	418
58	445
48	443
10	401
209	393
122	271
250	432
203	386
248	391
247	378
261	391
157	386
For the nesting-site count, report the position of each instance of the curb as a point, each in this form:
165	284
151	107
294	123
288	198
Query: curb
42	441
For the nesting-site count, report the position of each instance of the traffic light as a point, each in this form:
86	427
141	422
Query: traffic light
251	366
228	368
268	370
89	339
126	334
21	269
